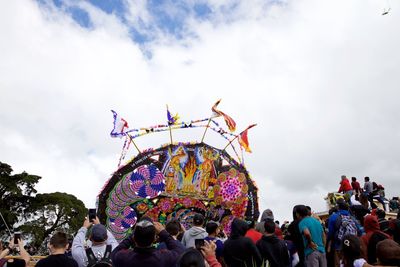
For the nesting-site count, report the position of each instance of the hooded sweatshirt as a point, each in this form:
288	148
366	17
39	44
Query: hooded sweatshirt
196	232
240	250
371	226
268	215
274	250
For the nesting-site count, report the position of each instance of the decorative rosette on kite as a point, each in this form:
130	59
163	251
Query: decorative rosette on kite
147	181
123	223
230	191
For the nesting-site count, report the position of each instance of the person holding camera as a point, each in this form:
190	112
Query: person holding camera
14	245
138	249
102	242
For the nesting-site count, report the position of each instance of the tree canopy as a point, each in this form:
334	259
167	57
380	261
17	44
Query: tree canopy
36	215
53	211
16	193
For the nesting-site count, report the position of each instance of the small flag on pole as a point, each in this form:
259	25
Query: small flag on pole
228	120
243	139
120	126
172	119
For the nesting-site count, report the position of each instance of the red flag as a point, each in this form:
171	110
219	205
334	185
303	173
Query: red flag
228	120
243	140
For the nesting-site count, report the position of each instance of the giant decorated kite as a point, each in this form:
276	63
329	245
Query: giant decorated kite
178	180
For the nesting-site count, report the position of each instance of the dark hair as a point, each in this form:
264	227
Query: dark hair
342	205
353	179
191	258
144	236
380	214
251	223
198	219
332	210
173	227
294	212
366	178
238	228
211	227
59	240
277	222
302	211
351	249
269	226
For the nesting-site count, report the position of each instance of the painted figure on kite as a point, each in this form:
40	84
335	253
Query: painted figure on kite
178	180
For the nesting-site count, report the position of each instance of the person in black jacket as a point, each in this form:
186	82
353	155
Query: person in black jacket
58	245
273	249
240	251
143	253
294	235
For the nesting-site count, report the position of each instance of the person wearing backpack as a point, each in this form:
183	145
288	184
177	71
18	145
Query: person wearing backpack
102	242
340	223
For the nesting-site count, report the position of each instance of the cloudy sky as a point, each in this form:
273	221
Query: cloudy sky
321	79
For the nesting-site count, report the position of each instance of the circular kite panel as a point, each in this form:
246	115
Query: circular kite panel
177	181
147	181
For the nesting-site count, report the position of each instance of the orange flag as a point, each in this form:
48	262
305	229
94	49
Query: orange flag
243	140
228	120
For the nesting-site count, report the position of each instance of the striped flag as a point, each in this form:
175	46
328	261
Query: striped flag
120	126
228	120
243	139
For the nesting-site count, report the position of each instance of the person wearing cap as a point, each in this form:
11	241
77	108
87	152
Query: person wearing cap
195	232
99	238
138	249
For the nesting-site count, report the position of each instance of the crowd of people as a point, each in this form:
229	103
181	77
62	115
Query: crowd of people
356	233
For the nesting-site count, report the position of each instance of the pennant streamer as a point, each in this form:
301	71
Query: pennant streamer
172	119
228	120
243	139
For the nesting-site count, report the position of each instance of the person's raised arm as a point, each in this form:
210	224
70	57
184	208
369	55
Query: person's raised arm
78	245
24	254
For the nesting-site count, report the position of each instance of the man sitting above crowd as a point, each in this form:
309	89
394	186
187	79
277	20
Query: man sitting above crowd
138	249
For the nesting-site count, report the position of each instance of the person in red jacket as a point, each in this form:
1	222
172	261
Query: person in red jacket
345	187
356	187
372	236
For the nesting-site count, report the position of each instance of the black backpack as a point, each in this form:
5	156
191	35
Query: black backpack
103	262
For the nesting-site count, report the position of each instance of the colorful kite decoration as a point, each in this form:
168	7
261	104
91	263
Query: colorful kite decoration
178	179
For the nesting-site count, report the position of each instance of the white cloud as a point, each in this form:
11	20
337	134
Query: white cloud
319	77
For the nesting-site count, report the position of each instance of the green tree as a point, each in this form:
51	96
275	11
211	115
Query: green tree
16	194
50	212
